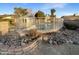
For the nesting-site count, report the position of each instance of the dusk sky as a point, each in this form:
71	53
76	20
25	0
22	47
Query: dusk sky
61	8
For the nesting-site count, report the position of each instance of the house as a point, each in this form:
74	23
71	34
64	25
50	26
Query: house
71	19
4	27
10	18
26	21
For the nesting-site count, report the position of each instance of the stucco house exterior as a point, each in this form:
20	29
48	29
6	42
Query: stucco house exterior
26	21
4	27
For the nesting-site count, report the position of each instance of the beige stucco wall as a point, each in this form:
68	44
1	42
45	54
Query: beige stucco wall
4	27
24	22
29	23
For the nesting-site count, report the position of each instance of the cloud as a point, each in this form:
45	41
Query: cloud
53	5
59	5
67	13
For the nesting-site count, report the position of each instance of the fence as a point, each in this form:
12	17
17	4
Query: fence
42	24
48	25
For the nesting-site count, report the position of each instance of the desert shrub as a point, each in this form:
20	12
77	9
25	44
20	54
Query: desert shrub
70	26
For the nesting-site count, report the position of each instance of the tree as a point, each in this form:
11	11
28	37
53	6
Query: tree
74	14
40	14
20	11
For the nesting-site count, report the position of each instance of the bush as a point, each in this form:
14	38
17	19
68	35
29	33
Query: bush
40	14
70	26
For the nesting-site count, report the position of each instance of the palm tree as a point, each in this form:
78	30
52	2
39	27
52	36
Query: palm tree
52	12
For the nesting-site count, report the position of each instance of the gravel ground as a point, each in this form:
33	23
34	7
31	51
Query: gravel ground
60	43
61	37
13	39
63	42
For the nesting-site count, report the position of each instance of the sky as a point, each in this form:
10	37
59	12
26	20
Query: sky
61	8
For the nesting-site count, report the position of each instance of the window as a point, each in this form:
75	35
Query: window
25	20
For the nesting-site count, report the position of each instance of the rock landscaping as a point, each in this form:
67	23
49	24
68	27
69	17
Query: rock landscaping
14	39
64	36
13	43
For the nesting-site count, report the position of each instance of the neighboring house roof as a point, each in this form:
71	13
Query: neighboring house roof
6	17
71	17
